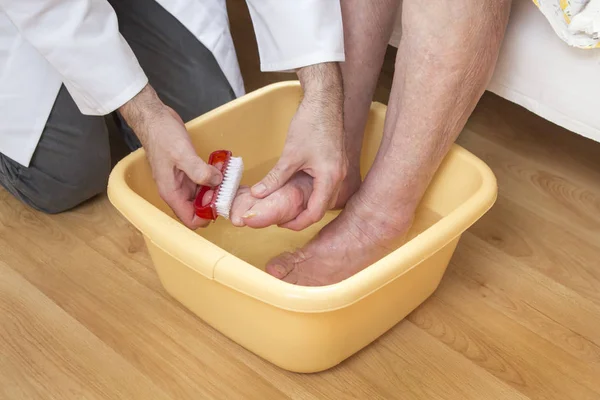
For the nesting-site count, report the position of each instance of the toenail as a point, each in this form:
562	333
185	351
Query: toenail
249	214
280	269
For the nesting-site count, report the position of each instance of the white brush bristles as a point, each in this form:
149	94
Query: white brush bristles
229	186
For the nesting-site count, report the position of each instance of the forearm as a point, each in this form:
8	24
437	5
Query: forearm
323	89
140	110
321	77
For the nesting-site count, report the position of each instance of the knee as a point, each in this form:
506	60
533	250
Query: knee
59	192
68	198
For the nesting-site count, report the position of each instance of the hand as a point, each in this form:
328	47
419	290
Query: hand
314	144
176	167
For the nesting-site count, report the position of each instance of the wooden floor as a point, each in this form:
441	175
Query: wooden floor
83	315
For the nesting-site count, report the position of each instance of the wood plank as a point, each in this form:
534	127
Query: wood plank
409	363
46	354
506	350
529	183
542	245
554	311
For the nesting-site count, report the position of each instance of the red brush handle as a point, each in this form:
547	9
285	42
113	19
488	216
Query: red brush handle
219	156
209	211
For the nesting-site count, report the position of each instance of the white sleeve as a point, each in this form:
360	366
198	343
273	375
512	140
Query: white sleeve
296	33
81	40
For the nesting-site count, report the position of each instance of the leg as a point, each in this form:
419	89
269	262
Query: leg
368	26
440	75
182	70
70	165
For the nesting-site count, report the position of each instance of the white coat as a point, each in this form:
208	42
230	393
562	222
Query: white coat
46	43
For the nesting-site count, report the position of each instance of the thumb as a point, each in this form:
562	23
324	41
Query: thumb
200	172
275	179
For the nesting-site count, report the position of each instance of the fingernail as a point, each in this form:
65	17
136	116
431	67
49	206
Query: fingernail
237	221
215	181
249	214
260	188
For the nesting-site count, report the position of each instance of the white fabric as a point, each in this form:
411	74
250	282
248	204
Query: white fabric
46	42
38	51
541	73
538	71
320	33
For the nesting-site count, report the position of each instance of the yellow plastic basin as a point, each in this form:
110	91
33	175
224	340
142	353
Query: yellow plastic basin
218	272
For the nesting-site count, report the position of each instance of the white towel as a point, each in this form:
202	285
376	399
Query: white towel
576	22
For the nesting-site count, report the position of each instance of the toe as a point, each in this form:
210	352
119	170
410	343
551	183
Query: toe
270	211
241	204
281	266
292	268
277	209
282	206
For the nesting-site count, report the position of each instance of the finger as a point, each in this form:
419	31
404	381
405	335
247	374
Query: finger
318	204
186	214
275	179
200	172
198	223
207	197
184	210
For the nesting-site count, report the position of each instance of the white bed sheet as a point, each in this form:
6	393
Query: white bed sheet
538	71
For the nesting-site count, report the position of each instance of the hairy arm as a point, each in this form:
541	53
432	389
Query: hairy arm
314	145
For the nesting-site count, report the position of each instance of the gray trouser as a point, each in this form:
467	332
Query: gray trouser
72	160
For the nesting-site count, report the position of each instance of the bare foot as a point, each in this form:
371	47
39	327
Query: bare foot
276	209
285	204
359	236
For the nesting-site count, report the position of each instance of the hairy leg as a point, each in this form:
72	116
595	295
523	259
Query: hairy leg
368	26
445	59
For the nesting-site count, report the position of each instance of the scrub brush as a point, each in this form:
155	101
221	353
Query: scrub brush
223	195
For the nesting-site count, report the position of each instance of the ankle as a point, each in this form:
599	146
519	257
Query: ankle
386	216
349	186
